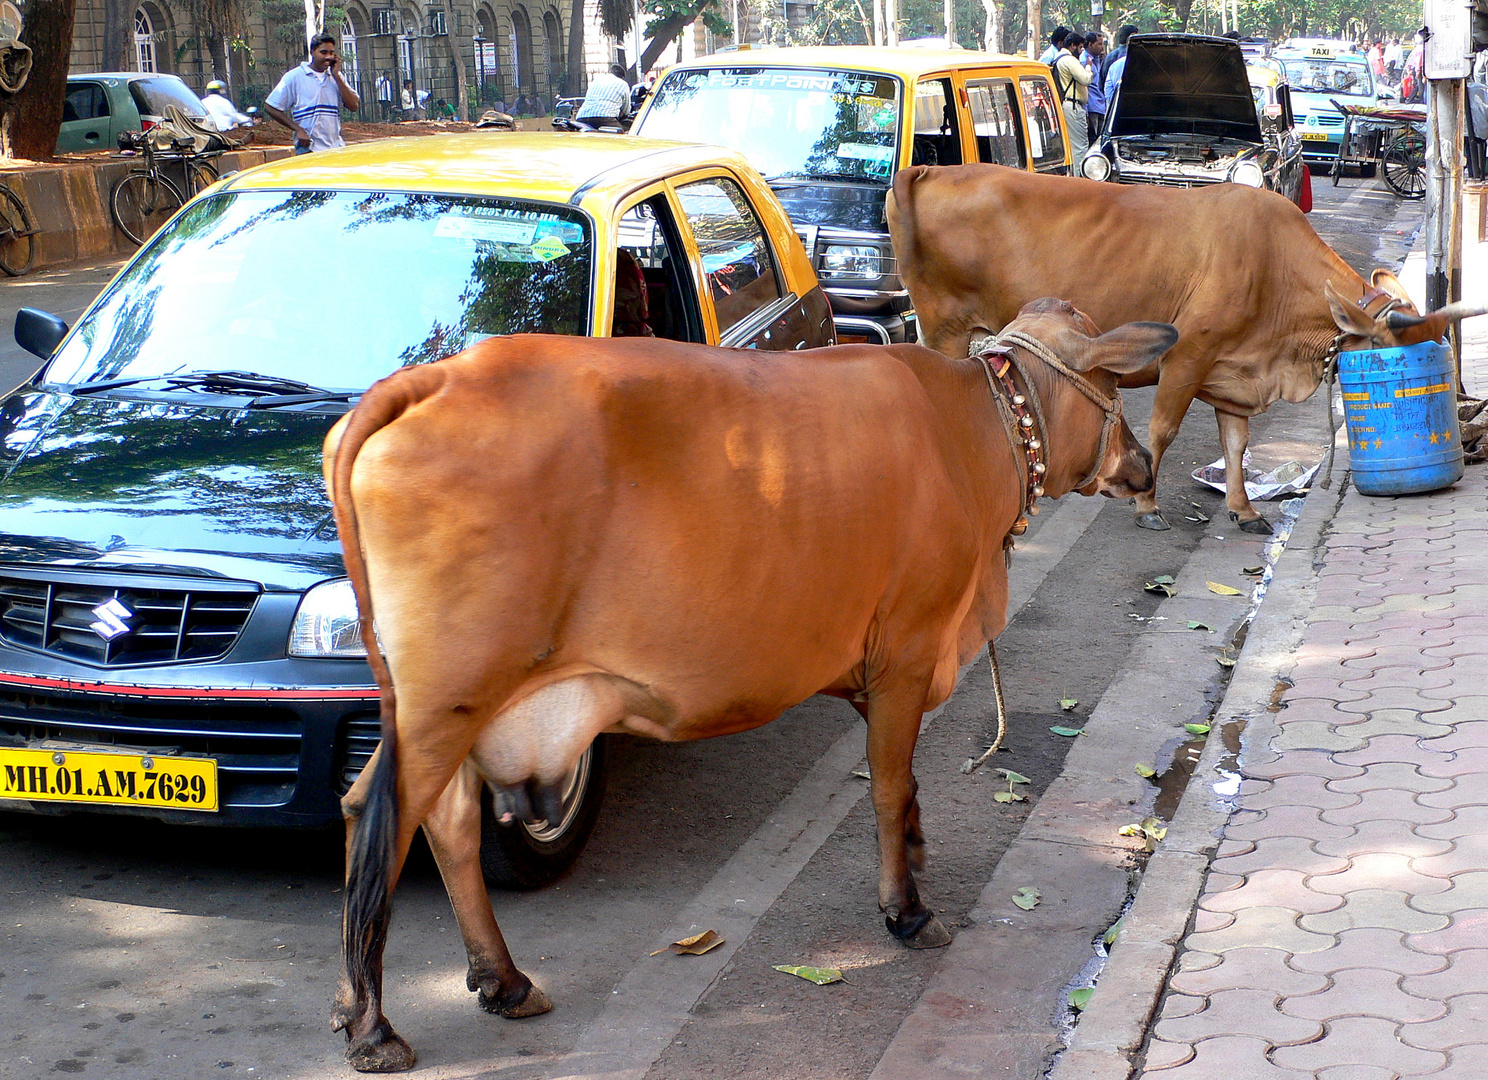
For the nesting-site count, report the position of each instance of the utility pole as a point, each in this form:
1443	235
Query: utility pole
1448	61
1097	9
1035	27
950	23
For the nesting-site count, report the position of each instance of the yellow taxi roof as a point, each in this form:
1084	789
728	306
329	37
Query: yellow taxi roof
543	166
907	62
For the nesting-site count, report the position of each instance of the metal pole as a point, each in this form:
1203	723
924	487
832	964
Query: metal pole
1035	27
950	23
1444	128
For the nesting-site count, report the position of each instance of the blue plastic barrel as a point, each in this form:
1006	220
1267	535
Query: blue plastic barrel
1401	406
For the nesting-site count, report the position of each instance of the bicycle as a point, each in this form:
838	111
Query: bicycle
145	199
17	234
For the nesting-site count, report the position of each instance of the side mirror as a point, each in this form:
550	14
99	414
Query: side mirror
39	332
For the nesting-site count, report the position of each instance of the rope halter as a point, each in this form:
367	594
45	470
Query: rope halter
1022	412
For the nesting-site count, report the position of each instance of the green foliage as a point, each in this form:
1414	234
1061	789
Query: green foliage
286	21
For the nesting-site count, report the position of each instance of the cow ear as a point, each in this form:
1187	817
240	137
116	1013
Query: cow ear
1348	316
1383	279
1130	348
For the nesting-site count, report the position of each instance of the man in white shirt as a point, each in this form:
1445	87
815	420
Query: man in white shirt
608	99
309	99
221	110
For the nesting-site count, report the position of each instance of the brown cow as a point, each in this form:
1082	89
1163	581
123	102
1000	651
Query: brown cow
1239	271
567	536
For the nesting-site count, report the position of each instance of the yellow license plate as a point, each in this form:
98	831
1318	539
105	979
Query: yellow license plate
1315	136
85	776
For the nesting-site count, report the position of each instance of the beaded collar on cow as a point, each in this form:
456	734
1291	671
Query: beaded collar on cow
1022	413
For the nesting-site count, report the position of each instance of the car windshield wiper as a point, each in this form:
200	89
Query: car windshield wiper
210	380
812	178
282	401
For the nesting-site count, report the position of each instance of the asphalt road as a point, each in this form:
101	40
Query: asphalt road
135	950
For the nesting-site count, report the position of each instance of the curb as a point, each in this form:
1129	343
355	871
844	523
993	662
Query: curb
1107	1042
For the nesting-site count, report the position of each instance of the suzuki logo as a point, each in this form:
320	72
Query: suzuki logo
111	615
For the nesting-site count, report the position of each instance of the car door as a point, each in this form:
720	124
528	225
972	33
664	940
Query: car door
1048	148
652	292
742	287
996	122
85	118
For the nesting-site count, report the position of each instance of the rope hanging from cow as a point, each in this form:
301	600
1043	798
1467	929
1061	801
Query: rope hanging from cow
1330	374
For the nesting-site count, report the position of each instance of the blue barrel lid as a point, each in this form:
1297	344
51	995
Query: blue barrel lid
1403	354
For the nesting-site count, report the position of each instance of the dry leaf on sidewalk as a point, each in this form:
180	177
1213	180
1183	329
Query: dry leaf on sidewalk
1223	590
693	946
820	976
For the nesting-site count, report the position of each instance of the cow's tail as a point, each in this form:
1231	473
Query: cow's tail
371	853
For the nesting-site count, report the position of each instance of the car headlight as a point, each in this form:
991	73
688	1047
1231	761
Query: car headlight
327	625
1249	174
1096	166
851	261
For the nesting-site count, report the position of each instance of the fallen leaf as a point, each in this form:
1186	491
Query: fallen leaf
696	945
1067	703
1147	772
1154	827
1109	937
1222	590
1129	830
1161	588
1078	999
1014	778
1225	661
1067	732
820	976
1027	897
862	774
1164	579
1254	571
1194	625
1009	796
1196	729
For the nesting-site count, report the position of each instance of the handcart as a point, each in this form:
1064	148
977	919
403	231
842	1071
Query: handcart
1390	137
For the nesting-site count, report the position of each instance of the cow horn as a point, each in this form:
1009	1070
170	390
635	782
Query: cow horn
1403	320
1461	310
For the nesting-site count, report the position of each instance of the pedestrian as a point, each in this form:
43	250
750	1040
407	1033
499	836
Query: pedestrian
1072	83
385	96
1095	102
408	104
523	105
1392	60
1056	45
221	110
310	97
607	101
1115	64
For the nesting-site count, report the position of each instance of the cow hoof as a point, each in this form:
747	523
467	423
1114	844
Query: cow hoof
923	931
1154	521
526	1001
1257	525
383	1051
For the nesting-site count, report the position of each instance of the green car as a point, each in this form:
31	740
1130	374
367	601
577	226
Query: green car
102	106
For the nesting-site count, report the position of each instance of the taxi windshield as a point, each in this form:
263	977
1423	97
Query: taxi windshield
1348	78
791	123
334	288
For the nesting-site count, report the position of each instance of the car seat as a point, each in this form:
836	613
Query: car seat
632	308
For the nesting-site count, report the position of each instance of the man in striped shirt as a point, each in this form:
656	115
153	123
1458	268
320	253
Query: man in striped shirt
309	99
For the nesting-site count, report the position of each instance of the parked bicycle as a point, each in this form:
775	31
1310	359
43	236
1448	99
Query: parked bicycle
17	234
145	199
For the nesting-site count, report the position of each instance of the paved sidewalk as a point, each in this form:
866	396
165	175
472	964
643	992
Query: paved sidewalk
1342	933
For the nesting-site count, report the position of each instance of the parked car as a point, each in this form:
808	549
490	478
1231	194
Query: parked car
1319	72
172	598
830	126
1188	113
101	107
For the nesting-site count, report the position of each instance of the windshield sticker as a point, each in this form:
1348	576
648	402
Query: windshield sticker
824	82
463	227
549	248
866	152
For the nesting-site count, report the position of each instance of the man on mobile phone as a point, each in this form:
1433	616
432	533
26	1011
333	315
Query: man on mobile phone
310	97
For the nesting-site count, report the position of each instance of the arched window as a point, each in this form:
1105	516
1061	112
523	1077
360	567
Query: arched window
487	66
144	40
350	67
521	49
553	31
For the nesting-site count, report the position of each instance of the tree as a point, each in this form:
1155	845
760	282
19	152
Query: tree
118	34
670	17
576	48
30	119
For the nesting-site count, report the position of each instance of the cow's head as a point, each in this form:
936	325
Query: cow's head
1385	318
1076	422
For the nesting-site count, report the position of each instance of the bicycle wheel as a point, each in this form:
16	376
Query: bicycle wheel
142	202
200	175
17	234
1404	163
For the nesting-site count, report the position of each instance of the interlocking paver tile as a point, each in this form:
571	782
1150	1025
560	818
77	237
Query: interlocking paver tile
1465	1024
1232	1057
1327	687
1357	1072
1380	908
1161	1054
1230	848
1395	722
1468	930
1465	821
1278	888
1390	657
1466	761
1379	870
1466	973
1176	1005
1407	602
1364	992
1390	774
1206	921
1461	645
1281	853
1389	806
1371	947
1392	748
1468	853
1266	928
1315	735
1466	733
1388	691
1467	793
1197	960
1255	969
1468	891
1360	1040
1300	821
1389	836
1242	1012
1302	763
1300	791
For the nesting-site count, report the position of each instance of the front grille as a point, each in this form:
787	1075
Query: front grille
163	626
257	748
1164	180
1329	120
360	734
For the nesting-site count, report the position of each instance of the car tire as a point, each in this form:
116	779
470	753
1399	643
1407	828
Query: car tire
521	856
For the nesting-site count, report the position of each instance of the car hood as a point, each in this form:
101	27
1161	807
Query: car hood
1184	84
834	204
157	486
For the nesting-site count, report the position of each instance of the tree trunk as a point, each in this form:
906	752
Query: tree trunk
118	35
992	37
1182	8
30	120
1036	27
575	49
665	32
